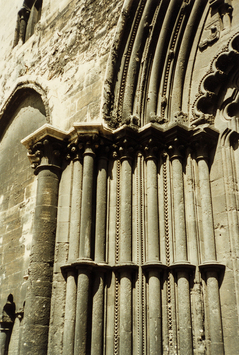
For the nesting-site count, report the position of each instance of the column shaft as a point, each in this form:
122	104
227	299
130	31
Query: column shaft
70	314
184	309
215	325
22	29
194	255
70	307
125	339
101	201
126	211
215	314
155	321
98	315
184	313
82	304
86	206
154	294
100	244
179	211
152	204
206	205
37	308
82	309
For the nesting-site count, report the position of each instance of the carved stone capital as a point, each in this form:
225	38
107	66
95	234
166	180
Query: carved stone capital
203	140
46	147
151	149
89	147
202	149
104	151
126	150
175	149
74	152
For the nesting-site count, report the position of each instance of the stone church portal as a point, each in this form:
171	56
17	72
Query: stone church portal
119	174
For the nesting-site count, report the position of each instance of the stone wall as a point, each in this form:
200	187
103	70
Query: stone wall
68	52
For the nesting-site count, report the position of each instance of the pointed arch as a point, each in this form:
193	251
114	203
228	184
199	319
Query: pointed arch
149	61
23	89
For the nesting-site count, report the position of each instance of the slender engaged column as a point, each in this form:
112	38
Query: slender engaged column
98	314
100	244
83	283
155	317
82	311
154	294
206	204
101	200
86	206
210	264
70	307
126	211
45	155
179	208
152	204
181	261
24	14
125	253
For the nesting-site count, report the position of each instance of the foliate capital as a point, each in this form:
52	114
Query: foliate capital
151	149
46	147
176	149
126	150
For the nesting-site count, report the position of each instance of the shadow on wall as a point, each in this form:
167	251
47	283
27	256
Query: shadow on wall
7	322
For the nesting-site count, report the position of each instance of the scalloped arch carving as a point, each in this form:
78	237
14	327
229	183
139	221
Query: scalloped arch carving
223	72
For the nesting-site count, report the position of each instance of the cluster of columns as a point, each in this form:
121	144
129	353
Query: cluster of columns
87	264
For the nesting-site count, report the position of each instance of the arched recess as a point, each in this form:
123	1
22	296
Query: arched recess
24	111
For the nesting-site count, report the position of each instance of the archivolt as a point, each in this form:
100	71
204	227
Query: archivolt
149	60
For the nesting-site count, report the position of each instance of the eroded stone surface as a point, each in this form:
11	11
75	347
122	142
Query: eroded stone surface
127	240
